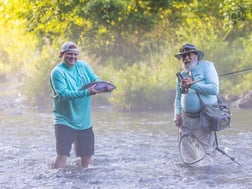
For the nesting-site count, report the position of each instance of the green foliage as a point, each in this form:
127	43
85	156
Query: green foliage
144	86
105	28
234	12
132	43
16	46
241	58
37	77
120	28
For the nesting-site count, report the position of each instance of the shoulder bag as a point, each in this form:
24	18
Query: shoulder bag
214	117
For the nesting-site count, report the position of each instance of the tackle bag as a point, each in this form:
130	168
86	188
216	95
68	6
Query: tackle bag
214	117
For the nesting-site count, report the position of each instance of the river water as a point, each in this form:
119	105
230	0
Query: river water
132	151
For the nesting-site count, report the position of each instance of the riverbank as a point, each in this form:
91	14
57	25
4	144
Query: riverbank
12	100
242	102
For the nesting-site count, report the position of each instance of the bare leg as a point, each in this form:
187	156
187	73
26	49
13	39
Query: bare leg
60	162
86	161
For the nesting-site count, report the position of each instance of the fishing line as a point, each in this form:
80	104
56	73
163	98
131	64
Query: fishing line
231	73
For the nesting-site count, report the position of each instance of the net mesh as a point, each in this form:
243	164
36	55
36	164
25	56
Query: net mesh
191	150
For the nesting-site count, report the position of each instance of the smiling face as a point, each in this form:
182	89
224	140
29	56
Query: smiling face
70	57
189	61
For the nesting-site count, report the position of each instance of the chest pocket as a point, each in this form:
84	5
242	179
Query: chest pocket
198	77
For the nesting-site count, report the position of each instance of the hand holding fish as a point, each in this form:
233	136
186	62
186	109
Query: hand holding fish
92	90
99	87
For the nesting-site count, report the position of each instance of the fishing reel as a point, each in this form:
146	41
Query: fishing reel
184	90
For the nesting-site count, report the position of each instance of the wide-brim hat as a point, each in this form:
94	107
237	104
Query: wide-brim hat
188	48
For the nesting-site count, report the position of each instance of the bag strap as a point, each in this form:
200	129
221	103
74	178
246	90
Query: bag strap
201	101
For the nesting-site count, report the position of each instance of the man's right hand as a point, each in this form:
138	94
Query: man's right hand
178	120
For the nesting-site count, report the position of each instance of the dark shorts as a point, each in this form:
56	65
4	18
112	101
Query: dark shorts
83	141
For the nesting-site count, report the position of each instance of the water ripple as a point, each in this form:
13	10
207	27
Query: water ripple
133	150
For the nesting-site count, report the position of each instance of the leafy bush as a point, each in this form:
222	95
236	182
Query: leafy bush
37	74
144	86
135	42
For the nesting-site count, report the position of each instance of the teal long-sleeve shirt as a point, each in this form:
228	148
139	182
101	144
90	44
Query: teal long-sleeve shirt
207	87
72	106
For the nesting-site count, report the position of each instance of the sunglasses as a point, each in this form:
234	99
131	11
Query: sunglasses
190	55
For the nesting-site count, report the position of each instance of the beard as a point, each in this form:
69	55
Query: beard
189	65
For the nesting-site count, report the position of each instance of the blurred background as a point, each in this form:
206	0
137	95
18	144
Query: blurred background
130	43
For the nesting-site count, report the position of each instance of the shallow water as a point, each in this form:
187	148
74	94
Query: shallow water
133	150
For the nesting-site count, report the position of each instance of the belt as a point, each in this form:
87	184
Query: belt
192	114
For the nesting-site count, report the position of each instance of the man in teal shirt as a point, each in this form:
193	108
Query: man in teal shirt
199	76
72	106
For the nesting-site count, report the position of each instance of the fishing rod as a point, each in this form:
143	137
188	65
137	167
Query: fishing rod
223	152
217	146
231	73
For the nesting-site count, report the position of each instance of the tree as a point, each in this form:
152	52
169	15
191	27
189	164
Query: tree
104	28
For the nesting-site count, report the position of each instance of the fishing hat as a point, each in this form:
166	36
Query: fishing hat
67	46
188	48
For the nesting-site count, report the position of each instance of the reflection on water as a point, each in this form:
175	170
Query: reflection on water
133	150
